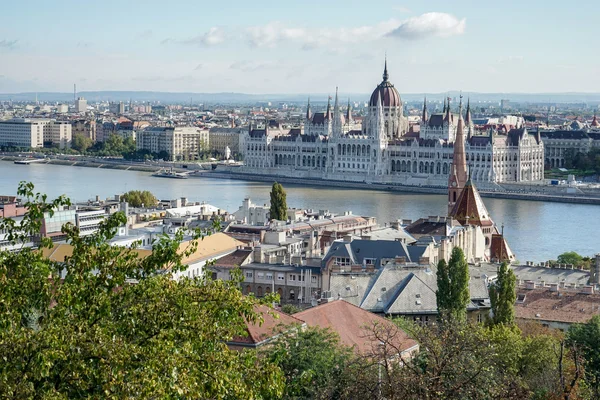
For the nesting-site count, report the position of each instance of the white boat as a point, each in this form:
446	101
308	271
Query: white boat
163	173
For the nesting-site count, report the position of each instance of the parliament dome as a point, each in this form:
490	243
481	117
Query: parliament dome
386	92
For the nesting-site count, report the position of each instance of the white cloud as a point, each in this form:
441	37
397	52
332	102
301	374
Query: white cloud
212	37
274	33
429	24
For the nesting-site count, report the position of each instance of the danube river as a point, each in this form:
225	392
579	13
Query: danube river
536	231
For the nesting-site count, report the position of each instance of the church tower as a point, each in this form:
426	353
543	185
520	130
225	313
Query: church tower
458	172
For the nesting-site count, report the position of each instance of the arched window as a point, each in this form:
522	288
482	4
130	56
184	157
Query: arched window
259	291
268	289
248	289
292	294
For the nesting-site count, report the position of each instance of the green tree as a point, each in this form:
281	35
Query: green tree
570	257
278	209
290	309
137	198
587	338
454	289
314	362
503	296
81	142
443	293
107	323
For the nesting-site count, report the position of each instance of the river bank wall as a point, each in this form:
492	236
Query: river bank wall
515	191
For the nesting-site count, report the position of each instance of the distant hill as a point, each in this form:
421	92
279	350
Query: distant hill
241	98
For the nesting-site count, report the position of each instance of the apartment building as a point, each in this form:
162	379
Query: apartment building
35	133
181	143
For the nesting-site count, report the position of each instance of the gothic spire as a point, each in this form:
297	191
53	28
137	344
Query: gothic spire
308	113
444	112
328	112
385	71
448	114
425	116
348	113
469	120
458	170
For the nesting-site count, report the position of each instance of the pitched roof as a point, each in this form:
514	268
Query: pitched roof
235	259
274	323
352	324
209	247
402	290
563	306
470	209
359	250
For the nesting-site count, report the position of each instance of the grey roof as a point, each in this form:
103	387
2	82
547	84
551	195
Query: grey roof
403	290
358	250
351	288
417	295
551	275
390	233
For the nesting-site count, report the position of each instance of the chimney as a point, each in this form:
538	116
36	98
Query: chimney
554	287
529	285
587	289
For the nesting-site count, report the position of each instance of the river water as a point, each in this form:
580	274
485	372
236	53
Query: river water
536	231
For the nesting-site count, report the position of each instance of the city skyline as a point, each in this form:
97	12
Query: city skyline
298	48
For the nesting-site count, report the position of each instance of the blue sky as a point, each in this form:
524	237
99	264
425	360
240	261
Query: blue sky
300	46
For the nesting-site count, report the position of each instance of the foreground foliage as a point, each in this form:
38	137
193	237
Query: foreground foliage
107	323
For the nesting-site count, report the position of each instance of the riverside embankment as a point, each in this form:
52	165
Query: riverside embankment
506	191
522	192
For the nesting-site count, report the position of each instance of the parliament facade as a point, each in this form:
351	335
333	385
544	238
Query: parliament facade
382	149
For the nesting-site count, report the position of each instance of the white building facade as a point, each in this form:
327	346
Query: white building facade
181	143
383	150
35	133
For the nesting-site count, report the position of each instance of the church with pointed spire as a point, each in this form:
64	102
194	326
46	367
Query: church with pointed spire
383	148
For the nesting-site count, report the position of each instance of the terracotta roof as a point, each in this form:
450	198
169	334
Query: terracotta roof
59	252
499	249
469	207
235	259
352	323
562	306
210	247
274	323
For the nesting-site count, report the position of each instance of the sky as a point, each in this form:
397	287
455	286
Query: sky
524	46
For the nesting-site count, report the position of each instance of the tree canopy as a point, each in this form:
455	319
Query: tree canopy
453	294
139	198
587	337
314	362
503	295
278	209
108	323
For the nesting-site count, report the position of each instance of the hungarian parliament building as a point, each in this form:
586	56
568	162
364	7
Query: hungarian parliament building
384	149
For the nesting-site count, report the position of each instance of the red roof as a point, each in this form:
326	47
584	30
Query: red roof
352	324
469	208
274	323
